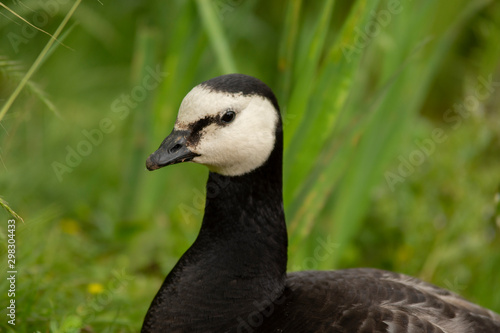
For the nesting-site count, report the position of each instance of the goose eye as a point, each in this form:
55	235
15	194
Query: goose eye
228	117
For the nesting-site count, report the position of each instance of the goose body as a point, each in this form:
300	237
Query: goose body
233	278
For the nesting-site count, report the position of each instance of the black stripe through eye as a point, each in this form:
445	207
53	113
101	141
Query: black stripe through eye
198	126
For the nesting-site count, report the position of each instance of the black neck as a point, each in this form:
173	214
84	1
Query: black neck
246	212
244	218
238	258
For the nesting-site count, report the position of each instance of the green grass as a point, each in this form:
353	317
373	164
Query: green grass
98	240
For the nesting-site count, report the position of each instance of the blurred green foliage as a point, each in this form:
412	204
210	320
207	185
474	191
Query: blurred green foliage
392	157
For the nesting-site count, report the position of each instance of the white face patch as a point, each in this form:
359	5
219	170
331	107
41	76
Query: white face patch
234	148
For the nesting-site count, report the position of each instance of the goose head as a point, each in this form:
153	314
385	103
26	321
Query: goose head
229	124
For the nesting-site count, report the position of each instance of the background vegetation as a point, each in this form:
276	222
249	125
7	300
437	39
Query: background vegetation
392	137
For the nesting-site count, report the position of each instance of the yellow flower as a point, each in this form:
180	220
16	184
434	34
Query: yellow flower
95	288
70	226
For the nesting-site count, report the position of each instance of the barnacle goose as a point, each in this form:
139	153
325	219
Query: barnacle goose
233	278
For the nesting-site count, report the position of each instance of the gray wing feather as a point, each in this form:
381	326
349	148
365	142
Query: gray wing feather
370	300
